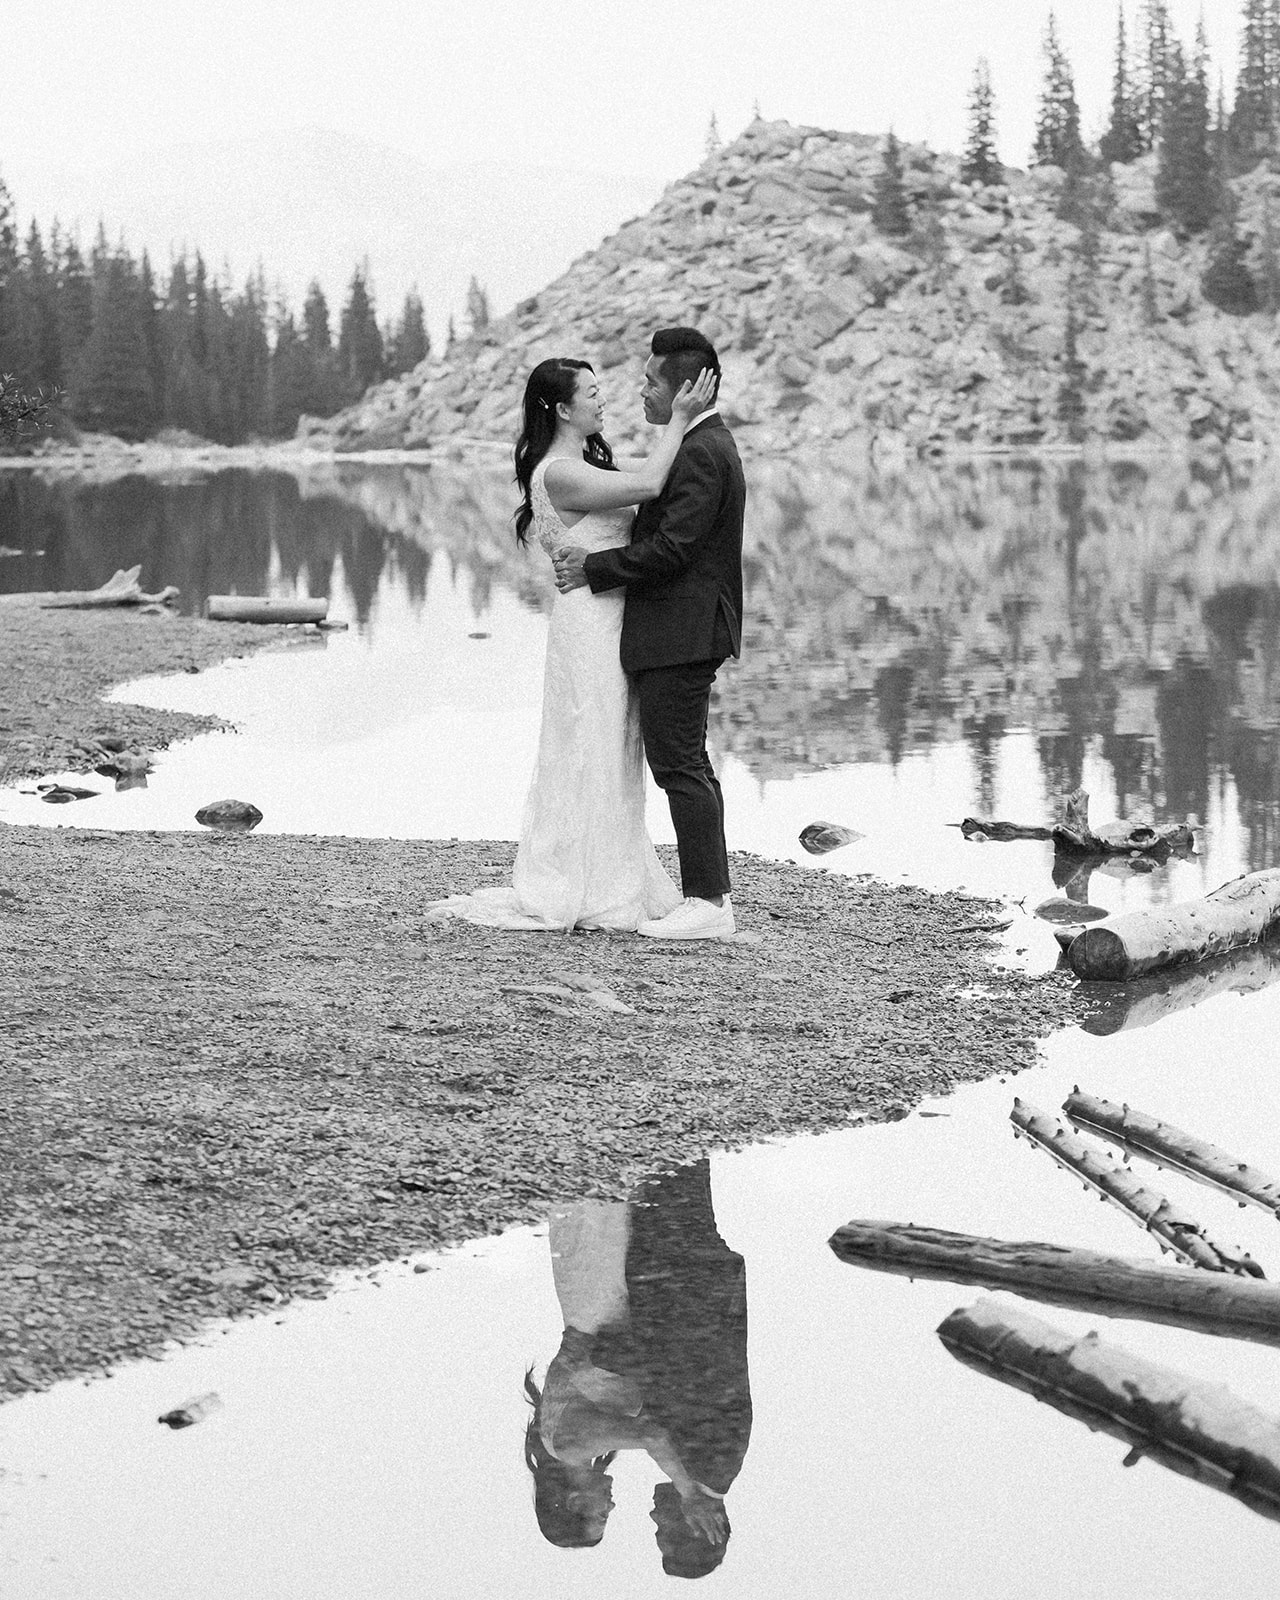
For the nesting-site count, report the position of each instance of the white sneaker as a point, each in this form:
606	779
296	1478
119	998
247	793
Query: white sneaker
692	919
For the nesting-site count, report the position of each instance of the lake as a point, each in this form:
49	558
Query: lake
923	643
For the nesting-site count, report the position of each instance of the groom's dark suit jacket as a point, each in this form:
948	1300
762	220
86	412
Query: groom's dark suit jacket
683	567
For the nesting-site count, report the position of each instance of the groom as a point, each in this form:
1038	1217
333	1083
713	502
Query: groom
683	576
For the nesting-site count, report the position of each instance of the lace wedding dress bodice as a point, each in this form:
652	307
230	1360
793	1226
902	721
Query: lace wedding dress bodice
597	530
585	857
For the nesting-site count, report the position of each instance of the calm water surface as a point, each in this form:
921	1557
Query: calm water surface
923	645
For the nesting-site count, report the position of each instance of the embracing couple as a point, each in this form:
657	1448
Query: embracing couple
649	606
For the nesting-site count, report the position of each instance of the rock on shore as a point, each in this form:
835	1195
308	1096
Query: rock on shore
829	330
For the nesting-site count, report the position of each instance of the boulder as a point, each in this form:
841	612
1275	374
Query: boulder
230	816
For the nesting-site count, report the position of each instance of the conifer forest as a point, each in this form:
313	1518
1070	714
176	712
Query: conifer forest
130	348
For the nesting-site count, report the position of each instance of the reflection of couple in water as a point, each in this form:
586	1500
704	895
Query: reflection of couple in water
654	1358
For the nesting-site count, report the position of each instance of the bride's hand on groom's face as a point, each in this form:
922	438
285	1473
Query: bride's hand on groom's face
570	573
691	398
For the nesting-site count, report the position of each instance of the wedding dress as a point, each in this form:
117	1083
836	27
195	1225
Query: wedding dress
585	858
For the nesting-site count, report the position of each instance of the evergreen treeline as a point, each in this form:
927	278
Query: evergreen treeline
1161	102
132	353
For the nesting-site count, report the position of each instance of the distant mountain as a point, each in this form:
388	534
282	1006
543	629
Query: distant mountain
313	203
993	323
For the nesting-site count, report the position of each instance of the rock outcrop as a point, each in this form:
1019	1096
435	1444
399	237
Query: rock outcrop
953	337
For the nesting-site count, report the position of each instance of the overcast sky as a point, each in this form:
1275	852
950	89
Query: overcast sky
627	85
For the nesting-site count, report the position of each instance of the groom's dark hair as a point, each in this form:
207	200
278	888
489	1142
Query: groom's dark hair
682	353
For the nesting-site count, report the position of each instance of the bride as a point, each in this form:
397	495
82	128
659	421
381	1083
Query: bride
585	859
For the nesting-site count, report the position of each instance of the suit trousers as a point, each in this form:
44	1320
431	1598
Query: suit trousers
673	723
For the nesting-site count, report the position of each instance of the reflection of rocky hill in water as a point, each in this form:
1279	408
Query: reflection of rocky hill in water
892	611
227	532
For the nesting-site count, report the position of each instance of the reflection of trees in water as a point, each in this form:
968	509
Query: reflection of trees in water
208	535
1127	608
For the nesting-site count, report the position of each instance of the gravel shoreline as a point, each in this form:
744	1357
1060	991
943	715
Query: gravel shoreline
235	1064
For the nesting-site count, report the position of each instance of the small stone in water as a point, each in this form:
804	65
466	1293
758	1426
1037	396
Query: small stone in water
820	837
194	1410
1056	909
232	816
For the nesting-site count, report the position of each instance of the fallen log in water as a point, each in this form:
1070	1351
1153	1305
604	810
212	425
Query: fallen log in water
1201	1430
121	589
1084	1280
1125	946
1151	999
261	608
1168	1146
1074	835
1175	1228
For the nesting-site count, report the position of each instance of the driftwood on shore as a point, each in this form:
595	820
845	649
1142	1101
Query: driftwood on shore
1073	834
1118	1007
1167	1146
121	589
1125	946
1083	1280
262	608
1200	1430
1176	1229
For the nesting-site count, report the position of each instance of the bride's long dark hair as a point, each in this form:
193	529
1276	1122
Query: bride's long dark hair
551	383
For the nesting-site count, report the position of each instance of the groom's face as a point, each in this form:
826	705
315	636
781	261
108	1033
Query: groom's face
657	394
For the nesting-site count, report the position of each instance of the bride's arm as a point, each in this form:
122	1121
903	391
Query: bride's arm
578	486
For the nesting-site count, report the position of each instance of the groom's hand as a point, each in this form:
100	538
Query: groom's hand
570	573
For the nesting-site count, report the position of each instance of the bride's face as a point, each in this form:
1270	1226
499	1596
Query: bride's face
586	414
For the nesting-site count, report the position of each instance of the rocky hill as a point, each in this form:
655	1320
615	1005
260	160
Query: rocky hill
952	337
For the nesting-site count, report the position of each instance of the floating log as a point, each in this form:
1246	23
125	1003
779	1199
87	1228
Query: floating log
1125	946
121	589
1200	1430
1163	994
1167	1146
1177	1229
1074	835
262	608
1084	1280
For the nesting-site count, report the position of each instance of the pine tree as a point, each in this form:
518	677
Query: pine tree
289	378
409	342
891	213
981	164
75	308
1123	139
113	391
11	352
315	321
183	402
359	341
1185	190
477	309
1155	56
327	391
1057	142
152	332
249	354
713	141
1227	281
451	336
39	315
